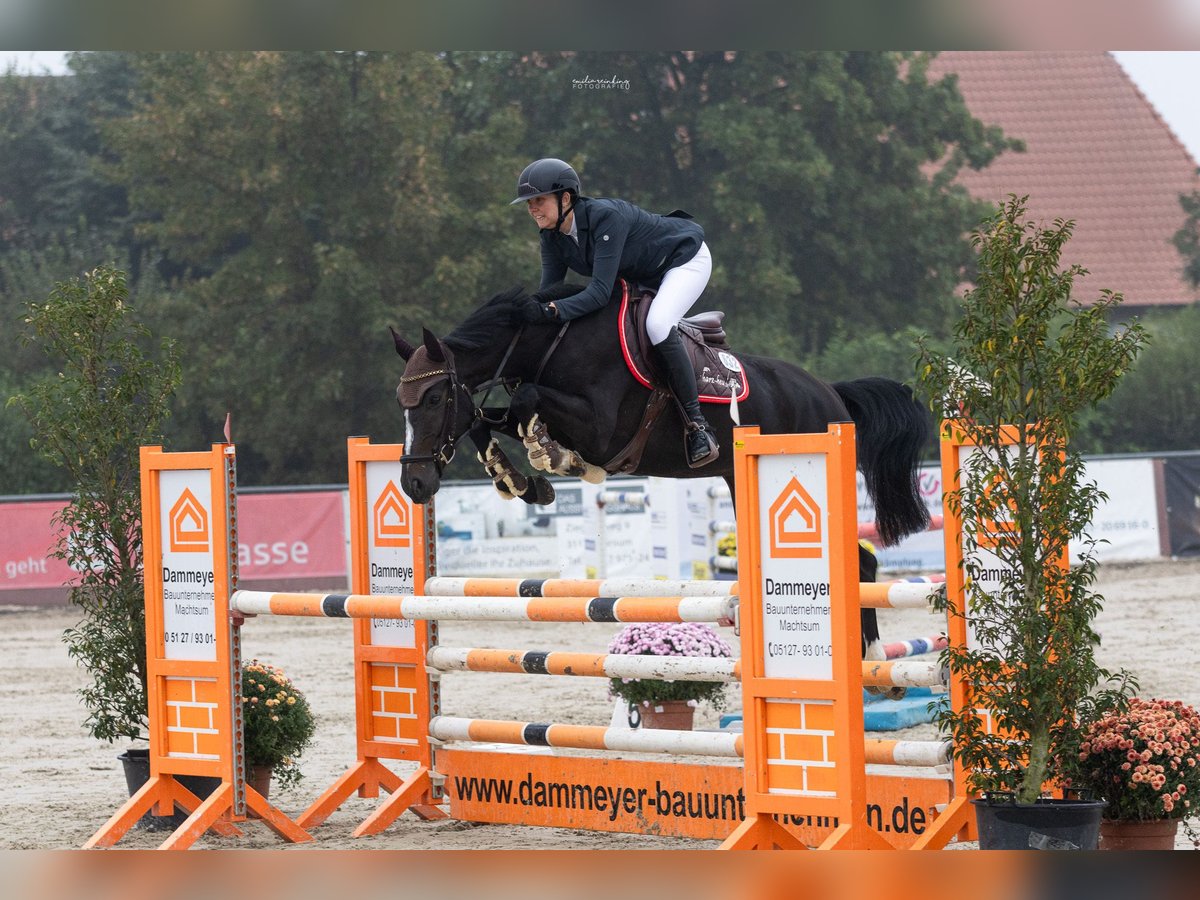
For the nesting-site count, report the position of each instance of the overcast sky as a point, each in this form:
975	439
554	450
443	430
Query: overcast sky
1162	75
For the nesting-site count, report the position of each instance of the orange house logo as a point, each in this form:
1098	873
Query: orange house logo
795	523
992	531
393	527
188	525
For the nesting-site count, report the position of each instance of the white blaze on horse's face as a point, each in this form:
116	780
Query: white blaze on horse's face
408	432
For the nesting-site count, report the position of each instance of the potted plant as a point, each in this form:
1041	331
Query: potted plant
277	725
1028	360
104	398
668	704
1144	761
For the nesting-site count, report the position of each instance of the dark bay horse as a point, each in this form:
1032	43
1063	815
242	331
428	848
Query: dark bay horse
575	406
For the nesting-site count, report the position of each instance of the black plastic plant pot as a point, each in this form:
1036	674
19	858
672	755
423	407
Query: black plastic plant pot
1045	824
136	762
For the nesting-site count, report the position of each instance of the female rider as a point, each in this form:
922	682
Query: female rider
610	239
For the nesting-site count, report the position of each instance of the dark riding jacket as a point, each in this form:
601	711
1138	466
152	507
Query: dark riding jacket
616	240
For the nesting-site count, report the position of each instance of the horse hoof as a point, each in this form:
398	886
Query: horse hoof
539	493
593	474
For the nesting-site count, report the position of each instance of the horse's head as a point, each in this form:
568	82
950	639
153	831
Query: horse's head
437	412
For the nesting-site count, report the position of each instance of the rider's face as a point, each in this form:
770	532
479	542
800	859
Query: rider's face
544	210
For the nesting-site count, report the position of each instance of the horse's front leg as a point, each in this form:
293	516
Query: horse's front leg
508	480
545	453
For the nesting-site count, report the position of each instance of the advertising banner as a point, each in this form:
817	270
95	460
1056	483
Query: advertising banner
26	538
188	579
389	549
292	535
796	620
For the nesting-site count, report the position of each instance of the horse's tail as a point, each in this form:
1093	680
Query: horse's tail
893	431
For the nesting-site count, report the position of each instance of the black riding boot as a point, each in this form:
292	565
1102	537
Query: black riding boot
701	440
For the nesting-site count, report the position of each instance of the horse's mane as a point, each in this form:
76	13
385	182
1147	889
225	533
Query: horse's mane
478	330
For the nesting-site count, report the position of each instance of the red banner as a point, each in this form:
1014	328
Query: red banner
26	538
298	535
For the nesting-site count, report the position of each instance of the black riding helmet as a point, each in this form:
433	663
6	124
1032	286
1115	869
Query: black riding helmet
548	176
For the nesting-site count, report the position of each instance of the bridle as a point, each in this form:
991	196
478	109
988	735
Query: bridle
447	440
444	449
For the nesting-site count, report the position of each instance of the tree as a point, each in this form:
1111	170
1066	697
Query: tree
1187	238
106	399
59	216
1028	360
1157	407
308	200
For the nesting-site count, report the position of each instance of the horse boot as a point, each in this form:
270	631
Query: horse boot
681	379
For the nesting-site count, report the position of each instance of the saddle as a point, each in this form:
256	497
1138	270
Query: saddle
720	378
718	373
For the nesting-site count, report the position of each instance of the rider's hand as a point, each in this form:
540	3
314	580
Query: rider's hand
526	309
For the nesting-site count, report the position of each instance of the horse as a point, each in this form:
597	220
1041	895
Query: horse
576	407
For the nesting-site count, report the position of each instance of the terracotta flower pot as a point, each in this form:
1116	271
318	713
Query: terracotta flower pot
675	714
259	778
1156	834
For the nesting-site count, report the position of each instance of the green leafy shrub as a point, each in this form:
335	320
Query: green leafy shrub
106	399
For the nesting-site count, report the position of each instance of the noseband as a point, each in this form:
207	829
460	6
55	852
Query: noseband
445	451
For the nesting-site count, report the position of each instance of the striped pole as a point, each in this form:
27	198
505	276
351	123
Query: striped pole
935	643
587	737
723	564
575	587
909	753
900	595
449	729
599	665
903	673
636	499
487	609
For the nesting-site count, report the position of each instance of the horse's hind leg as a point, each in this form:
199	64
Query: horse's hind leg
545	453
509	482
872	646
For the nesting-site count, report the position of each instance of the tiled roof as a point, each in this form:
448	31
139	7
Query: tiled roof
1096	152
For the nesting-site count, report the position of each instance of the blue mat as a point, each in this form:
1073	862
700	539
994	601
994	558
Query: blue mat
879	714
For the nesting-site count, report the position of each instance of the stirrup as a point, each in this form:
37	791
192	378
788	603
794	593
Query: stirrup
713	451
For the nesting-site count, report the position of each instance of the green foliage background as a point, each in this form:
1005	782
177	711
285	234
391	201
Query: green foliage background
276	211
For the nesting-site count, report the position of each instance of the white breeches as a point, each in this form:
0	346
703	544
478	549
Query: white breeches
680	288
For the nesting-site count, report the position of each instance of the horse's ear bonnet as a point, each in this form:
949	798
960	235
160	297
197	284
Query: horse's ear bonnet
422	373
403	347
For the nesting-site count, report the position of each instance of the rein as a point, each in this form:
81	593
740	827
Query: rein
445	451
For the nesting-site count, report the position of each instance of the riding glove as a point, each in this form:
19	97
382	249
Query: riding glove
527	309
